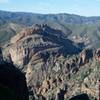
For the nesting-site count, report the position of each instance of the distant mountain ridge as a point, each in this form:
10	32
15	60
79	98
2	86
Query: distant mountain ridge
33	18
75	27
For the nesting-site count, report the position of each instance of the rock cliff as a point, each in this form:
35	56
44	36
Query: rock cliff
12	82
56	68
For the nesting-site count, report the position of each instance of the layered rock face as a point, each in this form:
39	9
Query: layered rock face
13	81
42	53
39	40
35	51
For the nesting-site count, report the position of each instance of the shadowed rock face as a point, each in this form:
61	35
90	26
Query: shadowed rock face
85	56
80	97
13	81
1	56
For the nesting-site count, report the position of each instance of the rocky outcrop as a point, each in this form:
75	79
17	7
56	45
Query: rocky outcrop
97	54
40	39
13	81
42	53
91	85
21	35
85	56
19	56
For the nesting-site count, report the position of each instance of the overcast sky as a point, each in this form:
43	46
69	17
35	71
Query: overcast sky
80	7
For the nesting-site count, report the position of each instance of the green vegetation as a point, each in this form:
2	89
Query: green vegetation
8	30
82	74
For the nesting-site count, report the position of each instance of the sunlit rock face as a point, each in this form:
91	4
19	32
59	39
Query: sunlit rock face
18	55
21	35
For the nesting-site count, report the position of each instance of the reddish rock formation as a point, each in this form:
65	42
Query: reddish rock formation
97	54
19	56
21	35
85	56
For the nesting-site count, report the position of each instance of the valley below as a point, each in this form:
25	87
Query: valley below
58	55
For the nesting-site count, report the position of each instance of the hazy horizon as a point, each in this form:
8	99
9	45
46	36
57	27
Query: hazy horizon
78	7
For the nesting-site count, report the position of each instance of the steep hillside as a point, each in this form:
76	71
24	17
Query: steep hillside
57	52
55	67
86	29
31	18
88	34
12	82
9	30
